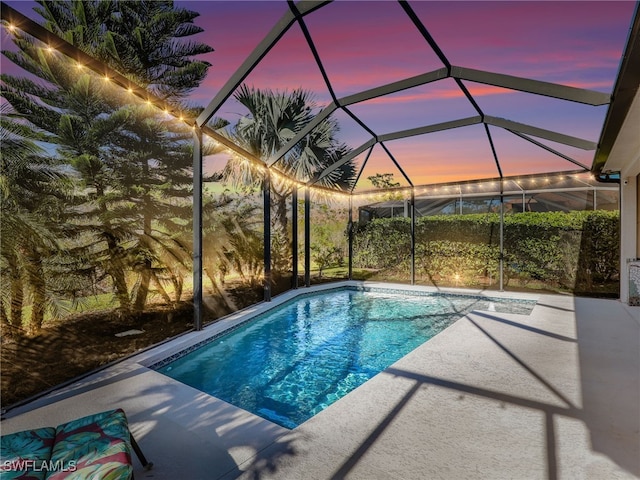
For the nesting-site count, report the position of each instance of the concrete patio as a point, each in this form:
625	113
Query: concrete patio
552	395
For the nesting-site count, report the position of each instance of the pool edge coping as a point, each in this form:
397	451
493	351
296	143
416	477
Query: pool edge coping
172	350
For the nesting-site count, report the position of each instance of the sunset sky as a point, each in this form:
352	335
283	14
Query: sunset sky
365	44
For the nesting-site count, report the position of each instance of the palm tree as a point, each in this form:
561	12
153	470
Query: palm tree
274	119
30	185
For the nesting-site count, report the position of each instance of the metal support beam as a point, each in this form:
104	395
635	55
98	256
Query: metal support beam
357	98
502	235
541	133
364	164
436	127
354	153
267	43
278	30
266	194
425	34
294	237
549	149
493	150
307	237
197	229
394	87
319	118
413	236
537	87
350	230
395	162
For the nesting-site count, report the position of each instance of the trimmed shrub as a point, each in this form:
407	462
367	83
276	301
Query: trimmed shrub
575	251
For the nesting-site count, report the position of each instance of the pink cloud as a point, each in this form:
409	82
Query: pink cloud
368	44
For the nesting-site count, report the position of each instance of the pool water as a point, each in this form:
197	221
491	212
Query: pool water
292	362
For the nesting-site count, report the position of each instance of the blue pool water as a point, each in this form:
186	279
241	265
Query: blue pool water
292	362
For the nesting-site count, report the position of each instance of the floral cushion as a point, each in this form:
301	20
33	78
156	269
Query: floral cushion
93	447
25	455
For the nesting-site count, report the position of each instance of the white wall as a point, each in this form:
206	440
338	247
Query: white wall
629	228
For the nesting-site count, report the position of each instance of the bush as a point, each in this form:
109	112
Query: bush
575	251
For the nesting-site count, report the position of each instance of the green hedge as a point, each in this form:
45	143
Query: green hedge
574	251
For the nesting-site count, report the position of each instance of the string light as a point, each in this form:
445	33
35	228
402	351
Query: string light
279	176
293	183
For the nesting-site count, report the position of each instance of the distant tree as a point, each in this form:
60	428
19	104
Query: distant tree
383	180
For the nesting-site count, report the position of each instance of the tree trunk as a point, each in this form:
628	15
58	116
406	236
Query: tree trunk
144	247
115	267
280	201
16	295
6	329
145	267
177	286
38	286
116	272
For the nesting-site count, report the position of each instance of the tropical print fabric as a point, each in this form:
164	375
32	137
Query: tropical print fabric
98	446
25	455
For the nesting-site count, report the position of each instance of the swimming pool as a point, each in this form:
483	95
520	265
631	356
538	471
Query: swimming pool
290	363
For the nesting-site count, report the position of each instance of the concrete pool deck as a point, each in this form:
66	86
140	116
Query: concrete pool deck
552	395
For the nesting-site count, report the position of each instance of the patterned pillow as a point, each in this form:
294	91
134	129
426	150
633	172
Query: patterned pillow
93	447
25	455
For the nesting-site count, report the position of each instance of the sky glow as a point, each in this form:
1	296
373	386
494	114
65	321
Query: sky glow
365	44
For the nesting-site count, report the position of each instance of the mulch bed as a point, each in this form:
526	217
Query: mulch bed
30	365
61	352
